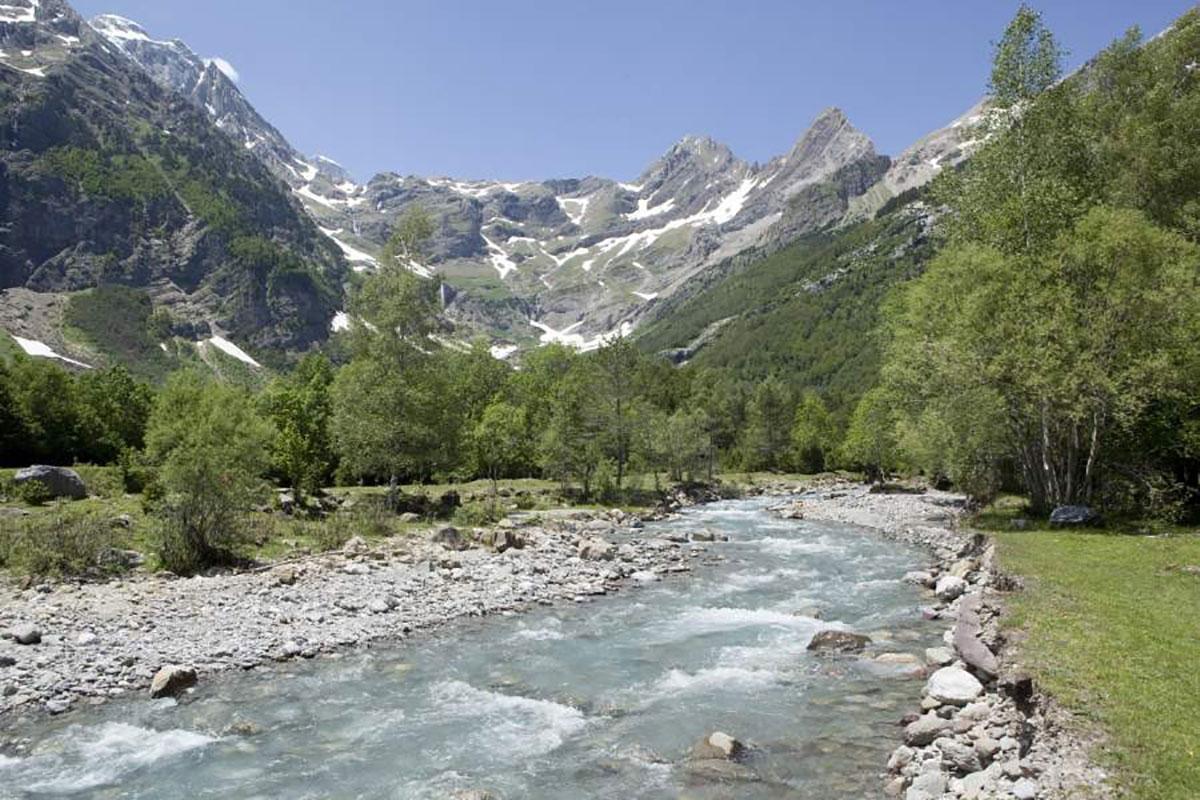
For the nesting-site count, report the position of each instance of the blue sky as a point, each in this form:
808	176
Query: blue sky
525	89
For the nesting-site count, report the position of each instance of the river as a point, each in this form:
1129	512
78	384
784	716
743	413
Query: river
594	700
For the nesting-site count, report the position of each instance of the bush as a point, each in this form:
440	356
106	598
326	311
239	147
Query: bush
58	543
199	528
478	512
34	493
211	445
101	481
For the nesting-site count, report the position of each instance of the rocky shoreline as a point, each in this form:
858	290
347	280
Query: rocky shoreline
73	644
983	730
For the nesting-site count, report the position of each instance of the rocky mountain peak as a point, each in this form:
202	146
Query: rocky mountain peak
830	128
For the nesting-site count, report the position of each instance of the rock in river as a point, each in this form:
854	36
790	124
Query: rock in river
953	686
172	681
925	729
834	641
950	587
718	745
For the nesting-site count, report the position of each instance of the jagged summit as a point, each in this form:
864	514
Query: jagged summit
557	260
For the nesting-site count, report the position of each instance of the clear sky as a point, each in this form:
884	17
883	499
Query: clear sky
533	89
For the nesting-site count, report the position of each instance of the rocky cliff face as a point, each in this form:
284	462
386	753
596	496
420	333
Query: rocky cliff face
565	260
105	177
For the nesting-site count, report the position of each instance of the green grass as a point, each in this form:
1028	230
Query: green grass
1109	624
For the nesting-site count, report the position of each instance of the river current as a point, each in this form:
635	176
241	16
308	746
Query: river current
602	699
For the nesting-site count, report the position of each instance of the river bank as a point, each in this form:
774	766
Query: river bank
87	642
982	730
611	698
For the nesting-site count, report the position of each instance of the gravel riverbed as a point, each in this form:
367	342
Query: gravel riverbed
68	644
982	731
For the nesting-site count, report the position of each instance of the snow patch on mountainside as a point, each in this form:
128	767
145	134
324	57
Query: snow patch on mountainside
33	347
231	349
574	207
499	258
353	254
645	210
18	14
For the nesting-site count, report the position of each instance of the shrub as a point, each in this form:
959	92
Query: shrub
34	493
57	543
477	513
211	445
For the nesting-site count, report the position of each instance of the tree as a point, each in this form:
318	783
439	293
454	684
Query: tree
387	400
44	395
1036	174
569	447
113	409
210	444
870	442
14	437
768	426
681	443
617	363
1060	354
300	406
1027	61
813	434
407	244
499	442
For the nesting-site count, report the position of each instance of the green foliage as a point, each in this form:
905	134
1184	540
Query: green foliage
478	513
34	493
300	406
500	441
216	210
409	238
121	322
682	444
211	446
44	399
113	411
870	443
1027	60
58	543
1052	337
814	435
103	173
769	417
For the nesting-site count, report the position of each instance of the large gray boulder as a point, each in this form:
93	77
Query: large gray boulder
1073	516
58	481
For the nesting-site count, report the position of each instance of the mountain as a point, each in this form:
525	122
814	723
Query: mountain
107	178
573	259
158	173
